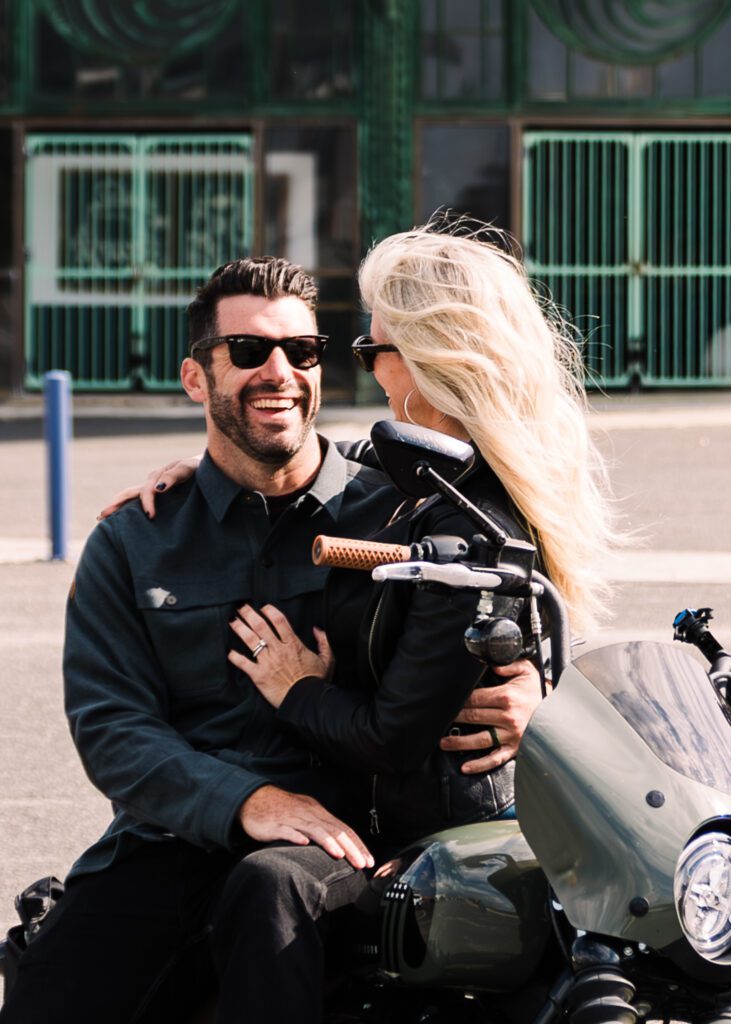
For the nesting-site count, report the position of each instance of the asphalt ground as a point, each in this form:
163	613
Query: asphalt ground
670	459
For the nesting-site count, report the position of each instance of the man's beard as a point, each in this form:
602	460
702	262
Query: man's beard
274	445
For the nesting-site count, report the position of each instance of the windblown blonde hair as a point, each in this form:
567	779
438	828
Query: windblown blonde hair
480	349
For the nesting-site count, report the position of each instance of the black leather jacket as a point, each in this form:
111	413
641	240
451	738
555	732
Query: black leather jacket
402	676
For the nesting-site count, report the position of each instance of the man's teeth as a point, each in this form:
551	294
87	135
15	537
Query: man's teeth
273	403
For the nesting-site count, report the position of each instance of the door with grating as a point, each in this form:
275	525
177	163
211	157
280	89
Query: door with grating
631	234
120	230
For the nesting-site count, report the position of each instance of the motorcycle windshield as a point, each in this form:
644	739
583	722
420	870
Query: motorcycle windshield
665	696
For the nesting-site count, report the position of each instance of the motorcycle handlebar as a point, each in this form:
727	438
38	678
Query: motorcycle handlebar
401	561
455	574
344	553
560	629
460	576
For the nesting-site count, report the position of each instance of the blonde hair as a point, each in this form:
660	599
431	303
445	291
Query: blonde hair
480	349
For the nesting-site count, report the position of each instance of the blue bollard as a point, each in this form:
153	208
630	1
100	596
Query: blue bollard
57	391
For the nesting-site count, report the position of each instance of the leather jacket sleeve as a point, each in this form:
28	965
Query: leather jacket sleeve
422	688
417	673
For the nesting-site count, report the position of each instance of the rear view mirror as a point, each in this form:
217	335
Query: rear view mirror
401	447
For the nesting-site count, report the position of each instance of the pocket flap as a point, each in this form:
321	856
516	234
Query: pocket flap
179	595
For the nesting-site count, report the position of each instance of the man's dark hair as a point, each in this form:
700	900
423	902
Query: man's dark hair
267	276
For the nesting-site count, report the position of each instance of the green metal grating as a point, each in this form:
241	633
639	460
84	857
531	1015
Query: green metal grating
631	233
120	230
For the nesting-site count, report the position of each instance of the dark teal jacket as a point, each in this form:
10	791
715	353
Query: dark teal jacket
165	726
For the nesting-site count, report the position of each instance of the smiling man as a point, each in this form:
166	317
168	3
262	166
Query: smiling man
180	741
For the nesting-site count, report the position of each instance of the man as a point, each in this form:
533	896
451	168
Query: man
180	741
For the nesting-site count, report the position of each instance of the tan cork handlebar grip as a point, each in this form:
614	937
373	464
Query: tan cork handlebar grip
344	553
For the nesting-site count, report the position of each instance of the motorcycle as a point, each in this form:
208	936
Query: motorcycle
608	900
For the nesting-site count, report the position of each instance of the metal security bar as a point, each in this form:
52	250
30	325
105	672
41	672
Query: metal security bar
120	230
686	272
631	234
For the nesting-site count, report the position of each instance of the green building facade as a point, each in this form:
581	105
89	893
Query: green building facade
143	142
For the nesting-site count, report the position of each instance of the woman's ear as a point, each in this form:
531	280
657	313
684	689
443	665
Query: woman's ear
193	379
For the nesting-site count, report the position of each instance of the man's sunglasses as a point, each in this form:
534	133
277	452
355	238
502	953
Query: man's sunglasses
247	351
365	350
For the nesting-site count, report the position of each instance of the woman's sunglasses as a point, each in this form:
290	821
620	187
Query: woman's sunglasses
247	351
365	350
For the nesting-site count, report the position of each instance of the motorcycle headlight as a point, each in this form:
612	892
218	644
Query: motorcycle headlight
703	895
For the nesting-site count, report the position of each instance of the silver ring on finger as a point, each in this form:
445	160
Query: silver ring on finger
258	649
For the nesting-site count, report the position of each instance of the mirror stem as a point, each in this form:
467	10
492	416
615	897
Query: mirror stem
487	525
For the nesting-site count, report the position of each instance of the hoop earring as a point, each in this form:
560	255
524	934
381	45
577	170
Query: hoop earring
408	415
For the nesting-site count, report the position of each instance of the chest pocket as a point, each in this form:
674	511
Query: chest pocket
188	627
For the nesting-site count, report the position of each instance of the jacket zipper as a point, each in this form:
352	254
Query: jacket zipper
371	635
374	827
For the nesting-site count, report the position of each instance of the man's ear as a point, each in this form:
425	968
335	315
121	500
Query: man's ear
193	379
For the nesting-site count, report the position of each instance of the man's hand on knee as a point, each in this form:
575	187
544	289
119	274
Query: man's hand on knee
504	712
271	813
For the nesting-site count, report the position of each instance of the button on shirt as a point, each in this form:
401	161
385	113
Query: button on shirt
166	727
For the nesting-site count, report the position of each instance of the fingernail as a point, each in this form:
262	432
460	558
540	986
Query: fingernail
160	487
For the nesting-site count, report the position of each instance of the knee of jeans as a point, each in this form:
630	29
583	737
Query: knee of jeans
270	875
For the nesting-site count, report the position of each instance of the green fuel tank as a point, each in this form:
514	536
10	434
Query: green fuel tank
469	911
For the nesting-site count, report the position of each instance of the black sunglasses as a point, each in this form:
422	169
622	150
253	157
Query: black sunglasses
365	350
247	351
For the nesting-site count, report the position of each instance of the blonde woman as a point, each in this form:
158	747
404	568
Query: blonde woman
458	343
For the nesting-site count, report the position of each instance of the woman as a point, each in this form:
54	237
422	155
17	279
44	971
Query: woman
460	344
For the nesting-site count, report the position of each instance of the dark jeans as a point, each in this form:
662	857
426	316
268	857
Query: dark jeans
112	938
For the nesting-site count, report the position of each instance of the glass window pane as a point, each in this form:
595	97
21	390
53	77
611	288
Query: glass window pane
310	196
430	74
493	13
676	77
633	82
590	77
466	168
462	46
716	64
6	200
462	14
429	14
462	66
312	50
5	51
338	366
218	68
493	67
547	62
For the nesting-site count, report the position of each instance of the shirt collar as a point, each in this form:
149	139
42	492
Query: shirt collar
220	491
329	484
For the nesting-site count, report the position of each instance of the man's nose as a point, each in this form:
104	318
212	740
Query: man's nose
277	368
